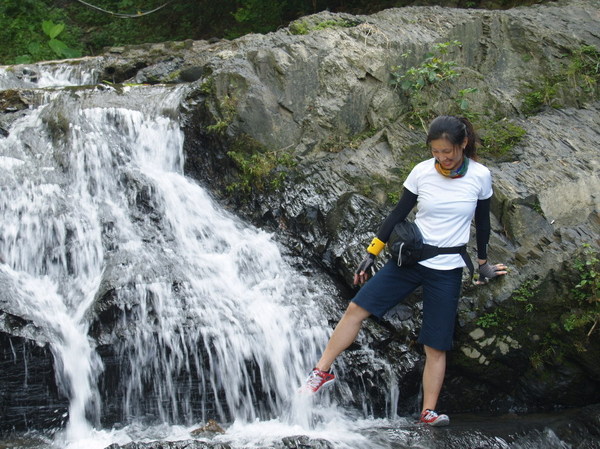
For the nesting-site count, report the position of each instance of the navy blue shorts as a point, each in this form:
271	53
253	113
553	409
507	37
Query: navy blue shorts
441	290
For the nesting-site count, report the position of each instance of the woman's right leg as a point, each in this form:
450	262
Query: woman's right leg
343	335
389	286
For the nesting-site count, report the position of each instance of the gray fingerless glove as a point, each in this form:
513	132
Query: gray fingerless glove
487	272
366	264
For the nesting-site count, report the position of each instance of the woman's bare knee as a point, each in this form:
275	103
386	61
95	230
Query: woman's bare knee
434	354
356	312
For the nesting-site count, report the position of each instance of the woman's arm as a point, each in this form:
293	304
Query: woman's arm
399	213
482	229
482	234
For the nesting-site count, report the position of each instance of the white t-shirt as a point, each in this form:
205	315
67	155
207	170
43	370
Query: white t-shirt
445	207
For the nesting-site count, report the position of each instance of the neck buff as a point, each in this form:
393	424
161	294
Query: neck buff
458	173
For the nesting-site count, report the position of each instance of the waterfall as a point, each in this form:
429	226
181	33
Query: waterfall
51	74
211	320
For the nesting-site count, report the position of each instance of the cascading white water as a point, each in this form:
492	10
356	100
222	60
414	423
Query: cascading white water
50	75
215	323
52	248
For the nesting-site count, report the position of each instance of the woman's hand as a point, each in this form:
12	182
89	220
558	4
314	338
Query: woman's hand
363	272
487	271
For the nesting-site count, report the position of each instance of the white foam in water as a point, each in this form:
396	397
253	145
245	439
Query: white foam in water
42	75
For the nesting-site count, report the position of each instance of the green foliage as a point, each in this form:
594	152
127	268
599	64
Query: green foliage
432	70
52	30
417	81
586	293
464	105
227	109
540	94
259	169
584	68
25	37
89	31
259	16
300	27
498	138
525	294
556	336
393	197
488	320
579	79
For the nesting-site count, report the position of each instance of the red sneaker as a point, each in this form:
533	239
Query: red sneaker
316	380
433	418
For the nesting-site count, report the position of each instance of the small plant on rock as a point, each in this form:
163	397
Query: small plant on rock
499	137
53	30
259	169
415	80
227	109
586	293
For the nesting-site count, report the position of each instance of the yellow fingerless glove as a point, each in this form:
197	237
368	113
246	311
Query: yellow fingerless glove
375	247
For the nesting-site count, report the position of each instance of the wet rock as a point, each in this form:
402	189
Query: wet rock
12	101
29	398
304	442
187	444
210	428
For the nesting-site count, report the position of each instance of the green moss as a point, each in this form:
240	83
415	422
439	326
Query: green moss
259	169
498	138
302	27
561	328
227	111
336	143
576	81
207	86
585	305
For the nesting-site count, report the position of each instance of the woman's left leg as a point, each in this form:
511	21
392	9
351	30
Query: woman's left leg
433	376
441	290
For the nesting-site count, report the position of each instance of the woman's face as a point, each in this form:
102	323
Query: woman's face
448	155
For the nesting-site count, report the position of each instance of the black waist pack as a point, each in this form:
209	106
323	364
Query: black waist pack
407	247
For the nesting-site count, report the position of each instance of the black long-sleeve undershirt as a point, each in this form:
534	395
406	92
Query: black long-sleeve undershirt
482	227
409	200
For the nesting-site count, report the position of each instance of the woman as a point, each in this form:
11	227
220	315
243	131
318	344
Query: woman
449	190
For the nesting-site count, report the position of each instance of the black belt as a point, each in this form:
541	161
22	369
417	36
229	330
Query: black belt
430	251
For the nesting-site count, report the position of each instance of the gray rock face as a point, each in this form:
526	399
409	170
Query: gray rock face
326	100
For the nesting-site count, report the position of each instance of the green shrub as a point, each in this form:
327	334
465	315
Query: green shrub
416	81
227	110
584	69
432	70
